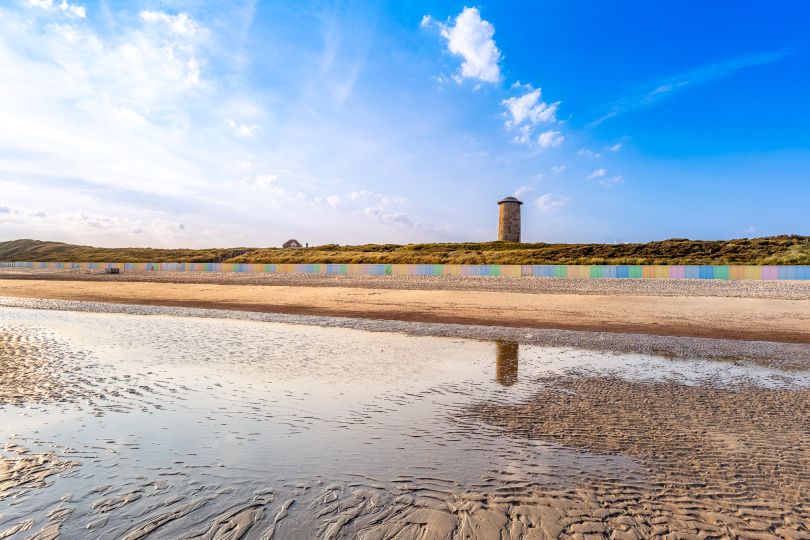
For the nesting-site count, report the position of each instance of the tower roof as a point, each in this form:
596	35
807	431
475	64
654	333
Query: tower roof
509	200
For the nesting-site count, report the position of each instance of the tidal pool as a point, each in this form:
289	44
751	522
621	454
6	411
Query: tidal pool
128	426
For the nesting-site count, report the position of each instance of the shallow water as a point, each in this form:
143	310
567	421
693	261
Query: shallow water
184	427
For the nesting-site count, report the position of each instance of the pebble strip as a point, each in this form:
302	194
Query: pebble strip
784	290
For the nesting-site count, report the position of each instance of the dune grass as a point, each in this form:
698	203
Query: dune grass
35	250
787	250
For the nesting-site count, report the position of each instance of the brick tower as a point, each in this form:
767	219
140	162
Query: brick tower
509	220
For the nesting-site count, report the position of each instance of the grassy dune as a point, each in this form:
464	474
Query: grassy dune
772	250
35	250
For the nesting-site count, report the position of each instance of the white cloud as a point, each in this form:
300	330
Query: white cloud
378	198
588	153
529	108
181	24
550	139
523	136
426	21
615	148
557	169
525	112
395	218
135	121
550	201
243	130
73	10
604	180
522	190
471	37
333	200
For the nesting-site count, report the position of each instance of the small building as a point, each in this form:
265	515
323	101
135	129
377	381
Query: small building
291	243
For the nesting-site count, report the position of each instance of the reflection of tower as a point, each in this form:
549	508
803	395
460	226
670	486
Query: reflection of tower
506	362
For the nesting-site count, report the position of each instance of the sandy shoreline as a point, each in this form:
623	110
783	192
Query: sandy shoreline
450	438
723	317
788	356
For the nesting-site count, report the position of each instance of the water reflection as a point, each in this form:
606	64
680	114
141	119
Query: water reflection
506	362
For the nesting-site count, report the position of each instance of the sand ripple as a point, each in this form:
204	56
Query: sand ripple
162	427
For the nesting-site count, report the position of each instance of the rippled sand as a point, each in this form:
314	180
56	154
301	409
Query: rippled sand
127	426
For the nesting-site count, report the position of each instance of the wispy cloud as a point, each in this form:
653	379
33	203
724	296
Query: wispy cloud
664	89
551	201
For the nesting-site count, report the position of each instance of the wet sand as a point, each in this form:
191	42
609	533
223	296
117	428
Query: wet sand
720	462
166	426
723	316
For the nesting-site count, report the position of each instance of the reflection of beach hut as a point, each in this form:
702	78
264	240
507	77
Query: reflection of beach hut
291	243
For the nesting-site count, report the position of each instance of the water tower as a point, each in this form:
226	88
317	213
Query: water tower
509	220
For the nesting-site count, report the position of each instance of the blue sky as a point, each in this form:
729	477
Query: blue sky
179	123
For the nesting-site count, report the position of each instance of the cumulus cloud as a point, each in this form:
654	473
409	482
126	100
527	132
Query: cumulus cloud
598	173
333	200
471	37
529	108
550	201
557	169
524	113
550	139
615	148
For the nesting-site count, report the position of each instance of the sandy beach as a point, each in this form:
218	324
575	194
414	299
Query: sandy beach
289	407
134	421
774	311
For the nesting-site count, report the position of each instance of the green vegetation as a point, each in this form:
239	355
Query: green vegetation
772	250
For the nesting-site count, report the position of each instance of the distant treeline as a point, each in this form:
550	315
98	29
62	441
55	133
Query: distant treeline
776	250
